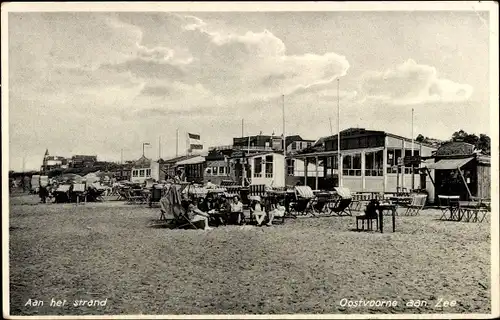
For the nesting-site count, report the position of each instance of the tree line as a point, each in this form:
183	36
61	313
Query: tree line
481	142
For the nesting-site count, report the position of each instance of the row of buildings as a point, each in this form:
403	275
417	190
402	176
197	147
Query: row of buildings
368	161
59	162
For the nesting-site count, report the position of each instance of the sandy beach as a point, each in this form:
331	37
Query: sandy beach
109	250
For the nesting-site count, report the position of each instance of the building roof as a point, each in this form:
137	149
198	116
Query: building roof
193	160
142	162
177	159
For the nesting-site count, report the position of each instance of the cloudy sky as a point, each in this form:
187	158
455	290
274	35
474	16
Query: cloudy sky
96	83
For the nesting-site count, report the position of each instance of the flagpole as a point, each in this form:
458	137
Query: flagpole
242	127
159	147
412	153
284	141
177	142
338	134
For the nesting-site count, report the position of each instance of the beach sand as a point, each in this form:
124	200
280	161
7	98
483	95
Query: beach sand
109	251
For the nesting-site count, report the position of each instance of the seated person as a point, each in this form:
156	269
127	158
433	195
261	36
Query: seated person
236	213
196	216
276	210
371	209
256	210
203	205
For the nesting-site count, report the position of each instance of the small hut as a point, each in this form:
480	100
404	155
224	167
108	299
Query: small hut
460	170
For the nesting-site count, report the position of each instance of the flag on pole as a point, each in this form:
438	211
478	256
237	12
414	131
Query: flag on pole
194	141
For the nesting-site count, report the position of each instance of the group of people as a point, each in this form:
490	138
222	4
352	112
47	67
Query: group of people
222	211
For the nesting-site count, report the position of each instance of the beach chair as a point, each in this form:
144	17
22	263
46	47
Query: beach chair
417	203
370	215
79	192
303	196
61	194
320	202
342	207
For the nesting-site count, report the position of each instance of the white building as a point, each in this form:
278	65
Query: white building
143	169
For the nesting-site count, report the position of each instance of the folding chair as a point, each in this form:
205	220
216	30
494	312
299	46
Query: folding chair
369	216
485	209
417	203
342	207
448	204
134	196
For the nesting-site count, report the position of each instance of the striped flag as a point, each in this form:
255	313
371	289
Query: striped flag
194	141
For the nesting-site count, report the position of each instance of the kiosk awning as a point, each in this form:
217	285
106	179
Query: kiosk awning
449	164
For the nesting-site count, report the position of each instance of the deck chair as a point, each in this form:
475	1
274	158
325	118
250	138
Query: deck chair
342	207
173	212
320	202
417	203
303	200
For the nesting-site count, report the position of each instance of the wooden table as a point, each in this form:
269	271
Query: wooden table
387	207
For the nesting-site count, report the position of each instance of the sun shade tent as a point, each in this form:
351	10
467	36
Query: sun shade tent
451	164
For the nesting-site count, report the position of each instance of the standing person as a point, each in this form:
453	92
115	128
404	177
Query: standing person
44	193
236	210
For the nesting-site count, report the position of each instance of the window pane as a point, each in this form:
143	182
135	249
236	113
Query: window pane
346	162
369	160
390	157
397	155
215	171
356	161
379	160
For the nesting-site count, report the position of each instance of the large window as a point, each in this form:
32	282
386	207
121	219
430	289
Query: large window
352	165
269	166
257	166
222	171
392	160
141	173
148	172
416	153
294	145
374	163
290	167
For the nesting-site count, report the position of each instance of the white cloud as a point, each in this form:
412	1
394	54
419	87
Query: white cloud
412	83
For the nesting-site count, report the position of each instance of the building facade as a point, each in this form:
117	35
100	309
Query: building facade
370	161
143	169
